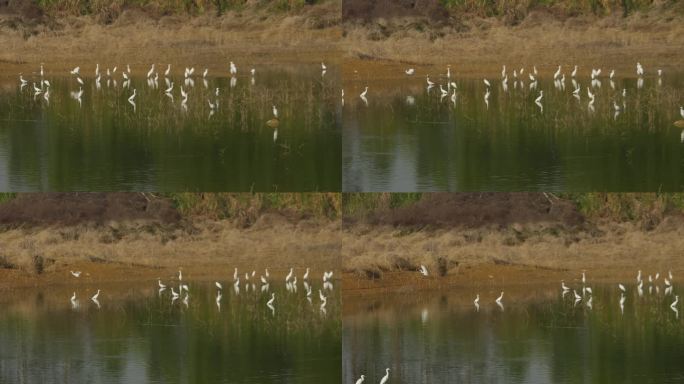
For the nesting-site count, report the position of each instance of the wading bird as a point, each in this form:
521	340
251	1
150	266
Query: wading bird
410	71
162	286
75	273
360	380
498	299
386	377
423	270
95	296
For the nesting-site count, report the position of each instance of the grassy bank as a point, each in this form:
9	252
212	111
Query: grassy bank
110	9
248	207
520	8
618	207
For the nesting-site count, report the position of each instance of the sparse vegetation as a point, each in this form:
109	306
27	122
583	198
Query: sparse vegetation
522	7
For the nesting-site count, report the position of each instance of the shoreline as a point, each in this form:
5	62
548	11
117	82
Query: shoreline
475	45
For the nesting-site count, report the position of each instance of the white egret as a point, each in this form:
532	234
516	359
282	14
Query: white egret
41	70
574	72
681	111
74	71
673	305
23	82
132	96
75	273
289	275
275	111
557	73
170	88
612	74
429	83
503	71
410	71
640	69
173	293
266	273
477	300
564	287
588	289
150	72
386	377
423	270
162	286
73	297
306	274
360	380
443	91
498	299
487	83
270	302
218	285
638	278
263	280
95	296
233	69
323	67
577	296
622	287
539	98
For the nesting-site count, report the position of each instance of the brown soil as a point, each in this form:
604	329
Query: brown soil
368	10
65	209
476	210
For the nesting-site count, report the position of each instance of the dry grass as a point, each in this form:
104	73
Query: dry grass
477	44
217	246
134	37
610	250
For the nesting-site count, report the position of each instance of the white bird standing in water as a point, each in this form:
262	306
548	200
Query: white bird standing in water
640	69
74	71
166	73
622	287
275	111
289	275
363	94
218	285
233	69
75	273
95	296
162	286
673	305
477	300
429	83
498	299
410	71
132	96
323	67
386	377
539	98
681	111
306	274
487	83
423	270
150	72
361	379
270	302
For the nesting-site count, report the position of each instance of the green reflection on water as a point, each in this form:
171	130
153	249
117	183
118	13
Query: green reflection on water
143	337
539	337
104	143
408	140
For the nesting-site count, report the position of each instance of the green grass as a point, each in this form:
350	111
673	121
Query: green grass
354	204
5	197
248	206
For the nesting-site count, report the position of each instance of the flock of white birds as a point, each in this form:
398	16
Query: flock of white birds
518	81
41	85
250	282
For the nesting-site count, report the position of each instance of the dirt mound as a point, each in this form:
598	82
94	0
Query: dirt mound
475	210
366	10
91	208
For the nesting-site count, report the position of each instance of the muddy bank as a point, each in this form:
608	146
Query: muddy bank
137	37
477	44
129	236
522	239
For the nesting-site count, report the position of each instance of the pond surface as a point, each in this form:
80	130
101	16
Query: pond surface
406	138
537	337
139	336
158	143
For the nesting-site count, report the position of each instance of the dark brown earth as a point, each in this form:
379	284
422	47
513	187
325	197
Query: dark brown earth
367	10
476	210
64	209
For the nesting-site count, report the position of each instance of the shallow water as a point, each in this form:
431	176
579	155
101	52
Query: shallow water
140	336
105	143
538	337
408	139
